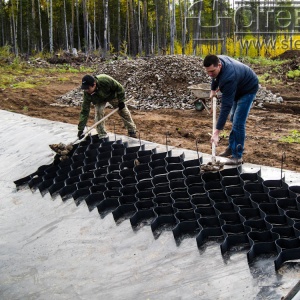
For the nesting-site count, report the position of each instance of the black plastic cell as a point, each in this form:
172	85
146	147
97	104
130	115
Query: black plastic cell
180	196
259	198
213	186
72	180
162	190
196	191
141	169
123	212
270	185
129	181
256	225
209	228
113	185
192	171
114	160
235	192
143	176
145	205
163	223
193	181
192	163
97	189
67	191
253	188
250	214
242	202
142	217
295	189
159	171
232	218
143	159
80	195
178	185
231	172
261	243
293	216
113	176
161	155
55	188
233	235
145	185
183	206
128	190
163	200
217	196
107	205
205	212
251	177
288	249
284	232
276	221
99	180
174	167
175	176
160	181
231	182
224	207
157	163
201	201
185	229
268	209
89	167
281	194
86	176
145	195
286	204
211	176
127	199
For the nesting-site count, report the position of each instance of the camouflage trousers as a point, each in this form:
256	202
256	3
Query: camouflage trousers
124	114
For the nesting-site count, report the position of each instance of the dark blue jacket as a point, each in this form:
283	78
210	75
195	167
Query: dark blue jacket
234	81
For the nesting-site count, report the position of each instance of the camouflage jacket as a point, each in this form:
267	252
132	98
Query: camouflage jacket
107	90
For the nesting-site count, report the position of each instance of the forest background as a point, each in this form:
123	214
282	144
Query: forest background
150	27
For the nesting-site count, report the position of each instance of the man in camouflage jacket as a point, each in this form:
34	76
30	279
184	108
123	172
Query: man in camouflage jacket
99	90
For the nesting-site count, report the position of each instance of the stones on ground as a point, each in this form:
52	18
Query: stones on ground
159	82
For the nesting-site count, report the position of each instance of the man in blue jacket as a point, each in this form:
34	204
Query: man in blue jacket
238	84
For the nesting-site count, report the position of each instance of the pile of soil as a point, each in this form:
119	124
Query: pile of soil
265	126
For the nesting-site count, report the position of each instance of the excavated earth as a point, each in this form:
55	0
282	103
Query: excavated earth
163	106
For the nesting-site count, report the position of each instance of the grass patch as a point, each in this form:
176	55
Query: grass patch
262	61
293	74
22	75
293	137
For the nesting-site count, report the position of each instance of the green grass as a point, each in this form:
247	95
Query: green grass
18	74
262	61
293	74
293	137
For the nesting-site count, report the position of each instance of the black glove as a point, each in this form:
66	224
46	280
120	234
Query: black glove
80	134
121	105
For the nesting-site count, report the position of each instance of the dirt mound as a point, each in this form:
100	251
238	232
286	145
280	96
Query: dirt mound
289	54
159	82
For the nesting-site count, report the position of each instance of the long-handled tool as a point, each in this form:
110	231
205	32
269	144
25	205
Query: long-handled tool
63	150
213	165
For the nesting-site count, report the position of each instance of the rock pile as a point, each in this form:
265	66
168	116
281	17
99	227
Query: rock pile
159	82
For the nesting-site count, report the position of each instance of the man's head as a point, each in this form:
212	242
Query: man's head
88	84
212	65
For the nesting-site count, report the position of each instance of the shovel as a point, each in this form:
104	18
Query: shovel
64	150
213	165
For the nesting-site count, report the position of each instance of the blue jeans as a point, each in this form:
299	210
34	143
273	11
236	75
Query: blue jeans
238	116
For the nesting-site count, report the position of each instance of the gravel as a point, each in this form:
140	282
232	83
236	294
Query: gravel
159	82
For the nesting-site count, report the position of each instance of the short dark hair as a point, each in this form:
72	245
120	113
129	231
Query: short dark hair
211	59
87	81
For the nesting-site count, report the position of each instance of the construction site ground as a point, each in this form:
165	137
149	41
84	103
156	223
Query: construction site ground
265	126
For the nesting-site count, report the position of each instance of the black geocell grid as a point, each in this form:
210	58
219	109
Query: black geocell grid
169	193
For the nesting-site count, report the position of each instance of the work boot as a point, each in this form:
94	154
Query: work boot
226	153
132	134
233	161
